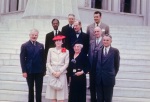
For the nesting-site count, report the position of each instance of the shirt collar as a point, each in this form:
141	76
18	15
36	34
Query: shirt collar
107	48
78	32
98	24
99	39
71	25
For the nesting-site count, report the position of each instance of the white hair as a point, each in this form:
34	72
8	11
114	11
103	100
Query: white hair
33	31
81	45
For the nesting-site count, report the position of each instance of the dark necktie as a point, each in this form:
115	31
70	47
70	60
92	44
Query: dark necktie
97	24
34	43
105	52
56	33
97	42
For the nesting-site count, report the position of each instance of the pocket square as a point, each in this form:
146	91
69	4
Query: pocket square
103	30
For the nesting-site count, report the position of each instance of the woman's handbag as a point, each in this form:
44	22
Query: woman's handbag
55	83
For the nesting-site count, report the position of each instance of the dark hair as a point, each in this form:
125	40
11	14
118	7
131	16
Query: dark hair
108	35
71	15
54	20
98	12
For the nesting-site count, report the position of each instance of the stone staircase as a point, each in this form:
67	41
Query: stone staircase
133	79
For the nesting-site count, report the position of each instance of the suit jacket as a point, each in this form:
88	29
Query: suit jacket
32	58
49	43
57	59
106	70
90	30
83	38
91	50
67	31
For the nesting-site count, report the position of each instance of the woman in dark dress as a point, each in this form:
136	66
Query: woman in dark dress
77	72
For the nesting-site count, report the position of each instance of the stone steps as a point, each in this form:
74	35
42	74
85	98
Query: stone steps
123	68
14	56
123	61
120	83
133	79
122	75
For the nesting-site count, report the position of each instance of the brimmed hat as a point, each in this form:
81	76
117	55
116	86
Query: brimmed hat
77	42
59	37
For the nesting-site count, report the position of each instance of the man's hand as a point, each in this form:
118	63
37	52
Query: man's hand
24	75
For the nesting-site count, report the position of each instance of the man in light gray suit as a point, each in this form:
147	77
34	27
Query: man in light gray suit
95	45
97	19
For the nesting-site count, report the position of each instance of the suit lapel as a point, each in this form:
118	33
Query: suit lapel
92	27
36	49
56	51
100	52
100	44
109	54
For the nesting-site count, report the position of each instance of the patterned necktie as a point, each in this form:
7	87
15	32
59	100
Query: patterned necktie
105	52
97	42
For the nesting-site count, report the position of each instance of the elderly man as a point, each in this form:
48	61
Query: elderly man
33	65
106	70
95	45
98	22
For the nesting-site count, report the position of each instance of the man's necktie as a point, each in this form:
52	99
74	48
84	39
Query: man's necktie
97	42
56	33
34	43
105	52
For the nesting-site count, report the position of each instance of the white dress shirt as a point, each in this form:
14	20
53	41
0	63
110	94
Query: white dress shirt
107	49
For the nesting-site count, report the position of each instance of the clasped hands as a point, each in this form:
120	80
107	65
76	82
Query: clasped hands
56	74
79	73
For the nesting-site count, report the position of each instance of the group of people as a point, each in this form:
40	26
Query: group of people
68	56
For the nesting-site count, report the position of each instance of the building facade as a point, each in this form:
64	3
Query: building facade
123	12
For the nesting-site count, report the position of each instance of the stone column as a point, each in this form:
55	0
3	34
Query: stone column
51	8
21	5
147	13
144	9
109	5
133	6
6	6
13	5
93	3
0	9
116	5
105	4
138	7
25	4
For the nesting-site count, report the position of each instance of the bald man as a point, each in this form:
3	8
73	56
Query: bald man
95	45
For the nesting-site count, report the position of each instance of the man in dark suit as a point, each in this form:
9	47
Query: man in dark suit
48	40
68	29
33	65
106	70
95	45
98	22
79	36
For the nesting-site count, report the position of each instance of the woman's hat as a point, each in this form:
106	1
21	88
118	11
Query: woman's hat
77	42
58	37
